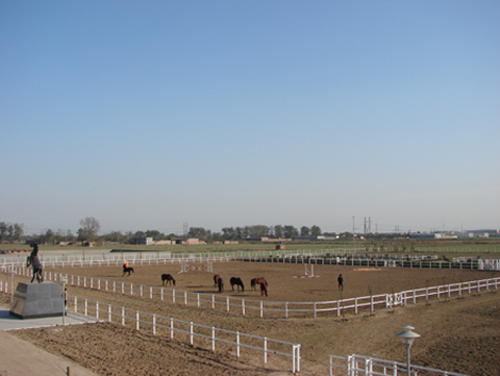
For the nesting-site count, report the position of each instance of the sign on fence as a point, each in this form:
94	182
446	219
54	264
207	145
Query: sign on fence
393	300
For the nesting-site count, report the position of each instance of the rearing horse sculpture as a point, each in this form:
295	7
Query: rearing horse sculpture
33	260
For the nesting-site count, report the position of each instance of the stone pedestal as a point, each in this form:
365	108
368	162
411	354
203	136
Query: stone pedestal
33	300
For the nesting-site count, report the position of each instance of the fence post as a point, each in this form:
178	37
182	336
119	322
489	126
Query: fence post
109	312
154	324
227	303
315	314
191	333
137	320
243	306
286	310
150	292
171	328
213	338
123	316
238	344
265	350
97	310
185	298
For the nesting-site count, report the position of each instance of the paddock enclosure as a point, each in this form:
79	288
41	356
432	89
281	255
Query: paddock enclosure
283	287
457	324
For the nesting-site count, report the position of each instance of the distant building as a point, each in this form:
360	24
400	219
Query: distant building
143	241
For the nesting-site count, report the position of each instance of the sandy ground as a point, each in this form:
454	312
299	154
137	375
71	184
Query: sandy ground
460	334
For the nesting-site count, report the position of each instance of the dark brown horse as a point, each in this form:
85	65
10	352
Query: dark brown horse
262	282
220	283
238	282
216	280
127	269
168	278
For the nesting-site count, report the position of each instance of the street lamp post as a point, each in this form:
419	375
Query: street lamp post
407	336
63	281
11	272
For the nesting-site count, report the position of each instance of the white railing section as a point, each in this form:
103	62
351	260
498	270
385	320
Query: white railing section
298	257
91	262
212	335
405	262
78	257
367	366
270	308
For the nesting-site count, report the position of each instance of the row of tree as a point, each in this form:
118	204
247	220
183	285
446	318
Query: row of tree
11	232
90	227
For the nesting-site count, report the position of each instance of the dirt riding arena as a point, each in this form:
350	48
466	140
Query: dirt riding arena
460	334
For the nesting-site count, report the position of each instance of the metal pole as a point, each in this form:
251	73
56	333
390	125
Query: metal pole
64	303
408	358
11	285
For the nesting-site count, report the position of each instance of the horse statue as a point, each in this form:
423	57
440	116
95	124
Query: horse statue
168	278
33	261
259	281
238	282
127	269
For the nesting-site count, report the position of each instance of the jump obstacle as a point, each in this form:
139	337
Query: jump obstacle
185	268
307	274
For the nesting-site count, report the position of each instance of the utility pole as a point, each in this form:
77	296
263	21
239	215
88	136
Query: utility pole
353	230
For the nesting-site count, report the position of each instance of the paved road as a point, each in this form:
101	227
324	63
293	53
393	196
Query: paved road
21	358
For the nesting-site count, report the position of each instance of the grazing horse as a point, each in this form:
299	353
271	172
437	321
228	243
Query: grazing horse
263	285
168	278
33	260
238	282
127	269
220	283
216	280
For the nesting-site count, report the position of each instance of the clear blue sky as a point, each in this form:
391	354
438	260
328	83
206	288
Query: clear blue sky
150	114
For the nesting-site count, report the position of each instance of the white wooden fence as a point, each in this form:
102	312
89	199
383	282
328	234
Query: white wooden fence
367	366
275	309
187	330
317	257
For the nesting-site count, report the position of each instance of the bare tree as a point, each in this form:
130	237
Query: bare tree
89	229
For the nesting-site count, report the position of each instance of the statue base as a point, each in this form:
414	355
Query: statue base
34	300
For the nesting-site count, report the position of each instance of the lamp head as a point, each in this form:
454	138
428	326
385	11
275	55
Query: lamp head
408	336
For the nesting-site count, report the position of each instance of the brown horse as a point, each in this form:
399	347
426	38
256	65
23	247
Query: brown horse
262	282
220	283
168	279
216	280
